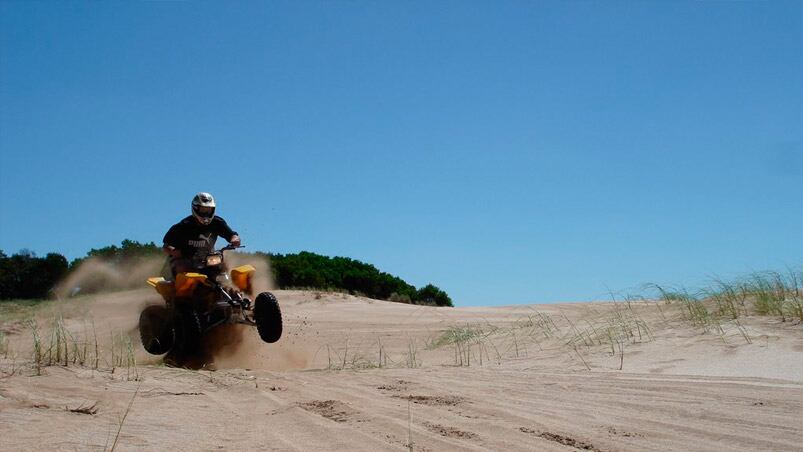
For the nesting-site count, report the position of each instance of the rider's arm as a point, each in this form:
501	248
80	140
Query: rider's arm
170	241
223	230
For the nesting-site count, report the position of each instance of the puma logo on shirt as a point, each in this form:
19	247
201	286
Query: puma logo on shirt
203	243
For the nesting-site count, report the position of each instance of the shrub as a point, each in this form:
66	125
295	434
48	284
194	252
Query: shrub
431	294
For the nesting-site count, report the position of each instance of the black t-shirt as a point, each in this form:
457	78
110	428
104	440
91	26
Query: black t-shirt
195	239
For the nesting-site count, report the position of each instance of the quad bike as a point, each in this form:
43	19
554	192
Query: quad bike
197	302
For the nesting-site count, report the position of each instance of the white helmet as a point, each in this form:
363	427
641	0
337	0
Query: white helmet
203	208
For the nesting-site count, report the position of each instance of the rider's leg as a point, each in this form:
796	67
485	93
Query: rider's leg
180	265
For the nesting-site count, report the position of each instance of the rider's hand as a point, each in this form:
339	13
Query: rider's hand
172	251
235	240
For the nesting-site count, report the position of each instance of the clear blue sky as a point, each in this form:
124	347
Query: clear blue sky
509	152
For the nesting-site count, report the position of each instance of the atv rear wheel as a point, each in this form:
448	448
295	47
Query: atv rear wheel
156	330
268	317
188	330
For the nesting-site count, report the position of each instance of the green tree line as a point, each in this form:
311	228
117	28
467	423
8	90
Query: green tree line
307	269
129	252
23	275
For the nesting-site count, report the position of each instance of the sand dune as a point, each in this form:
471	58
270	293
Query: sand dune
359	374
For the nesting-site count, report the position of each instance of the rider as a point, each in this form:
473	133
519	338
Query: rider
191	239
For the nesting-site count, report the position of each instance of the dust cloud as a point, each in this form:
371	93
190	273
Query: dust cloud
96	275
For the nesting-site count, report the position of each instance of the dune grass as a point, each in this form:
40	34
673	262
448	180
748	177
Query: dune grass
4	349
20	310
623	325
58	345
718	309
363	356
767	293
722	303
457	334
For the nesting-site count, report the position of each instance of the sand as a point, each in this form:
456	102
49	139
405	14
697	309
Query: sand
357	374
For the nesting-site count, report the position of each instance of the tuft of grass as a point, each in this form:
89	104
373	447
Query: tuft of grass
743	332
581	358
693	309
620	327
123	355
4	344
463	339
768	293
63	347
778	294
349	356
383	355
472	342
13	368
411	358
37	346
722	303
457	335
543	323
729	298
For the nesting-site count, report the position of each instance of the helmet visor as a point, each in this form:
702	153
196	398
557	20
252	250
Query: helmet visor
204	211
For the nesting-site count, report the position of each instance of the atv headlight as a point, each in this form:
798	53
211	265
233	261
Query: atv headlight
213	260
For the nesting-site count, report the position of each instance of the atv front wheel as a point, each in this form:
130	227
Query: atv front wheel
268	317
156	330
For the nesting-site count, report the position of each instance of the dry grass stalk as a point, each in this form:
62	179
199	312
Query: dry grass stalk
125	415
84	409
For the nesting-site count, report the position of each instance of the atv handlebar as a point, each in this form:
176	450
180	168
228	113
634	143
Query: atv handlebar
231	247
